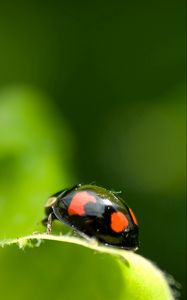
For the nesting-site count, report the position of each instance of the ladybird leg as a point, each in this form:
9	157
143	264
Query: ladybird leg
49	223
91	240
45	220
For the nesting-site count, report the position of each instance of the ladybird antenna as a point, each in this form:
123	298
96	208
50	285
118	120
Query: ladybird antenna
92	183
116	192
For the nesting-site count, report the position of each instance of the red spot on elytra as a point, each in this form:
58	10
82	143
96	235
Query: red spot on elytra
118	221
133	216
78	202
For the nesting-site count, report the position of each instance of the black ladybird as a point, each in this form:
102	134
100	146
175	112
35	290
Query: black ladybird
94	212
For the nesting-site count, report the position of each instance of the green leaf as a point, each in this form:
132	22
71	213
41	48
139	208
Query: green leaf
141	279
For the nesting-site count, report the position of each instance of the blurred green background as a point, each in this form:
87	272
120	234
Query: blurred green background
91	91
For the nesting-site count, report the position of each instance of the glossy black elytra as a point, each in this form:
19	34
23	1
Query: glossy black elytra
94	212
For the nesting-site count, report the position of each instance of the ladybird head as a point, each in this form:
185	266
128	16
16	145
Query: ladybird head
51	202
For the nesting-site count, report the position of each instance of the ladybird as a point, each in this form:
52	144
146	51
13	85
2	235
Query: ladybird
94	212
